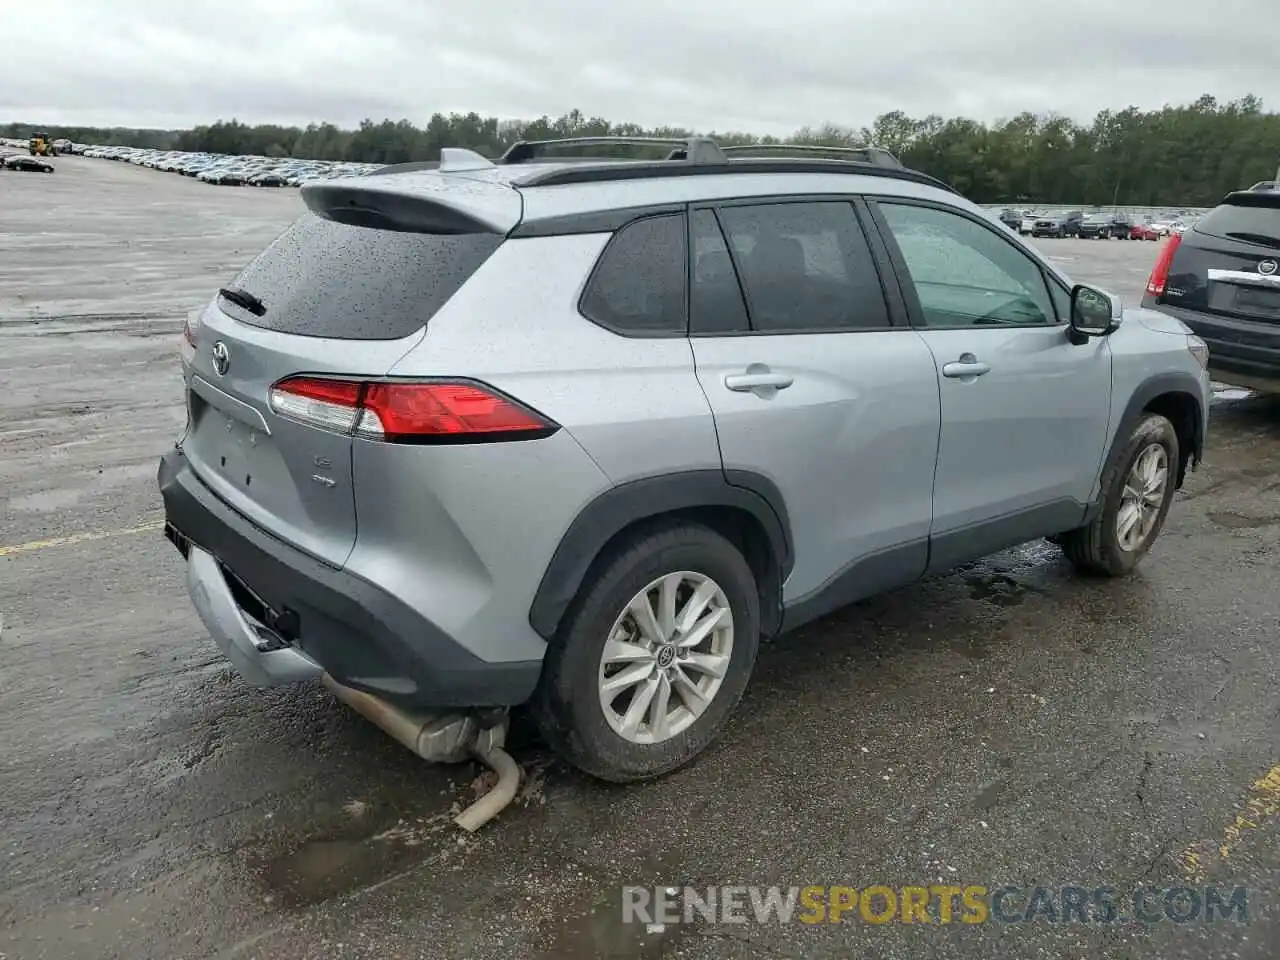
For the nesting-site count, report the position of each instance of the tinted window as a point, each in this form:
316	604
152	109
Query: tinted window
326	279
805	266
1252	224
965	273
715	298
639	284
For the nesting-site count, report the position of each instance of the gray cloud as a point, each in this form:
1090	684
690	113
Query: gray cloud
767	66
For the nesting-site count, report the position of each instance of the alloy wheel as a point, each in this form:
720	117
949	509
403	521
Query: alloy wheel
666	657
1142	497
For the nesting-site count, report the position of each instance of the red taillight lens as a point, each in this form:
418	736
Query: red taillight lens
1159	278
403	412
406	411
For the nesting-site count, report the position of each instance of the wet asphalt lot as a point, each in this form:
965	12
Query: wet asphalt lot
1008	723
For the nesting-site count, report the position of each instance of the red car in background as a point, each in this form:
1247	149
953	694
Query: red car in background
1143	231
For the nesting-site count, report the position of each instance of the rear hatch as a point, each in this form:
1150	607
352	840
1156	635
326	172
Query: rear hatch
327	299
1229	263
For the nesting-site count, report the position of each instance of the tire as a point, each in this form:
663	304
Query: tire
1097	547
568	707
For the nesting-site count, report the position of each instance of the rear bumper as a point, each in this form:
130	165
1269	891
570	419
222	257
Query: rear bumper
1244	353
336	622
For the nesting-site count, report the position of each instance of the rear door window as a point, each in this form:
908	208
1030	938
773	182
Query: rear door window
332	280
638	285
805	267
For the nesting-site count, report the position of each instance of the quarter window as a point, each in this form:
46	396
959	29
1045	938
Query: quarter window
638	285
965	274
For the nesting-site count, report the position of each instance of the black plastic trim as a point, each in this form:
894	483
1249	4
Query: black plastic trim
623	505
1156	386
611	172
594	221
865	577
976	540
352	627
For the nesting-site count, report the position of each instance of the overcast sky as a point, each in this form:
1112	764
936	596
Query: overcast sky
767	66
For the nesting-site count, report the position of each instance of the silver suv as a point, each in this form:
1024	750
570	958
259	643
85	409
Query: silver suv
581	432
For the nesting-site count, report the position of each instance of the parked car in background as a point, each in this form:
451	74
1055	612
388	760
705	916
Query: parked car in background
1144	231
27	163
1097	226
1222	279
1028	222
1058	224
229	169
1011	219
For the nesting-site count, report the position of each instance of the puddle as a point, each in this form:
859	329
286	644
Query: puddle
1238	521
997	588
601	933
324	868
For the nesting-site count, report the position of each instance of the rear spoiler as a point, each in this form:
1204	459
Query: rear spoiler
1253	198
416	202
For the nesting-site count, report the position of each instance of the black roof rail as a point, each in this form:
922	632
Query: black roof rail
864	154
693	149
645	170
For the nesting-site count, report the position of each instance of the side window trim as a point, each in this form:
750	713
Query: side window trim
682	213
914	310
691	273
894	297
899	318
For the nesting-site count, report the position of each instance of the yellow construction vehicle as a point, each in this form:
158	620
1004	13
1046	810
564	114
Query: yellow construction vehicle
42	146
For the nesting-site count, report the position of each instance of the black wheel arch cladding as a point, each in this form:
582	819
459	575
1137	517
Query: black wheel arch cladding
687	492
1163	393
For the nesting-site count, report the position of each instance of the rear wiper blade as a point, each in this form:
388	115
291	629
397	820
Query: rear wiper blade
243	298
1261	238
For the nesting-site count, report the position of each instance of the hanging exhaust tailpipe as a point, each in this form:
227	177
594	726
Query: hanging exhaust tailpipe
444	738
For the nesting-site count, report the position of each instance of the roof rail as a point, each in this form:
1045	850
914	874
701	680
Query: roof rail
609	172
877	156
692	149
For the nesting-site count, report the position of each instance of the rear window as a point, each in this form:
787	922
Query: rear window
1252	223
326	279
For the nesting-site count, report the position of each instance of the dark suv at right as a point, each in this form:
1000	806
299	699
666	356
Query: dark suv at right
1059	225
1222	279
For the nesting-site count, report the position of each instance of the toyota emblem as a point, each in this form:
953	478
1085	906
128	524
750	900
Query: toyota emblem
1268	267
221	358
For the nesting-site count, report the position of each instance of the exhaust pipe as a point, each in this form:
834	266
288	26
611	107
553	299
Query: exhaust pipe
444	738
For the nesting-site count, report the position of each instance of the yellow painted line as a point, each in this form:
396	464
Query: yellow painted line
79	538
1261	805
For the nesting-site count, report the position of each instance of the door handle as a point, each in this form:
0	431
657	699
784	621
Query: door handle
967	367
745	382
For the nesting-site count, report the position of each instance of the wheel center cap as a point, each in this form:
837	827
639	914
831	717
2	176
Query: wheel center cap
666	655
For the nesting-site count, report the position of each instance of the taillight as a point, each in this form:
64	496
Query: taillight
1160	273
408	412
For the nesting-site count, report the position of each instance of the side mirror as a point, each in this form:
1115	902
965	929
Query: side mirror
1093	313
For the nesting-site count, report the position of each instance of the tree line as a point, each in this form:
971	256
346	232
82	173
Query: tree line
1190	154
